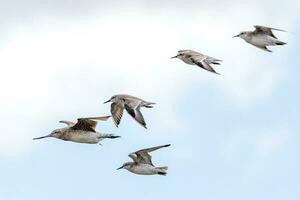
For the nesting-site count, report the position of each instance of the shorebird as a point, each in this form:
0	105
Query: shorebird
82	132
261	37
195	58
131	104
142	164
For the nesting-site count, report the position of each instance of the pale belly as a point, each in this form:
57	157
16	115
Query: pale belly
263	41
143	169
90	137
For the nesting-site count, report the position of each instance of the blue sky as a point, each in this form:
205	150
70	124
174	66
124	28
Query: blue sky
233	136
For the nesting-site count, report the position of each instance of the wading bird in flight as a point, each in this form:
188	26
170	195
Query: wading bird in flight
195	58
84	131
261	37
142	163
131	104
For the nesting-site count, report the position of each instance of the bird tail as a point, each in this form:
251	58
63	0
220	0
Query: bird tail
280	43
214	61
161	170
110	136
148	104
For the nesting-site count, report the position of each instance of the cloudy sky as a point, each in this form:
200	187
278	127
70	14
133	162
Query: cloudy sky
234	136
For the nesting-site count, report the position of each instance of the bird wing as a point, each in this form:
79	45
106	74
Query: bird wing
143	157
136	114
67	122
189	52
102	118
85	124
201	62
117	112
133	156
266	30
153	148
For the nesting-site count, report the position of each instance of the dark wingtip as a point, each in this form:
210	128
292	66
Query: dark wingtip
166	145
117	125
280	43
149	106
162	173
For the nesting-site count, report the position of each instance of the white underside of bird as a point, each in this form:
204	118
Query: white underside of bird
85	137
146	169
263	40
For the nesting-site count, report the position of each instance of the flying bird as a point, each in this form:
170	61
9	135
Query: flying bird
131	104
142	163
195	58
261	37
82	132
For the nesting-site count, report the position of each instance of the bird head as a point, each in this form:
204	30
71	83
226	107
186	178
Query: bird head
126	166
56	134
179	56
241	35
112	99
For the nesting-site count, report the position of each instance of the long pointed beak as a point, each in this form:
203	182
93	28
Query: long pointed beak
236	36
174	57
41	137
120	168
106	101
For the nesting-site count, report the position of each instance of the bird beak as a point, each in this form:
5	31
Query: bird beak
106	101
41	137
236	36
120	168
174	57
